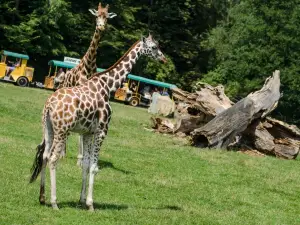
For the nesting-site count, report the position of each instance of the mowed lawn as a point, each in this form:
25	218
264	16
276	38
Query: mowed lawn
145	178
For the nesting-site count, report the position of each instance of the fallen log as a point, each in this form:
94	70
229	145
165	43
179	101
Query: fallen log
273	137
223	129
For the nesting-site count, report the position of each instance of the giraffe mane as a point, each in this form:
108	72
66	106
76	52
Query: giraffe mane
116	63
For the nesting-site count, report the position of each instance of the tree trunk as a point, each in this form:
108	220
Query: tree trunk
222	130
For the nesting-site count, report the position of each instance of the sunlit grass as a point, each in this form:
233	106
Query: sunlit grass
145	178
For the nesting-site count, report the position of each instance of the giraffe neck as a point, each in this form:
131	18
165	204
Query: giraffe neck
116	74
89	59
87	66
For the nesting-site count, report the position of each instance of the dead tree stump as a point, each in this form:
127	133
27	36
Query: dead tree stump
224	128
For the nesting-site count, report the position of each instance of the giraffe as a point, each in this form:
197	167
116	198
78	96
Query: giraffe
84	109
87	65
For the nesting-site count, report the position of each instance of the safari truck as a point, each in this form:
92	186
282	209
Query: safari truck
55	66
139	90
13	68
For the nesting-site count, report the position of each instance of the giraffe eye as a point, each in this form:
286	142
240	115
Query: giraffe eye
154	47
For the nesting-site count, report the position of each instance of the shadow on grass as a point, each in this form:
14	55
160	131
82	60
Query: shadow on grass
99	206
109	206
104	164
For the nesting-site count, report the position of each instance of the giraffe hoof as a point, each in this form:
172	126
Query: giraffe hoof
82	202
54	206
90	208
79	162
42	201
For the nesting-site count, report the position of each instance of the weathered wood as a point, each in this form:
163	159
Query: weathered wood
221	130
209	100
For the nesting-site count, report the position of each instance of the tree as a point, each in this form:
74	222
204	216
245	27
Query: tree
257	38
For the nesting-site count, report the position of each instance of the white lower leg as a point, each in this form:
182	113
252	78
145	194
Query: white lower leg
80	151
85	169
53	187
89	200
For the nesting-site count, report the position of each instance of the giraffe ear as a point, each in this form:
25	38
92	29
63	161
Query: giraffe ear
93	11
143	38
111	15
150	37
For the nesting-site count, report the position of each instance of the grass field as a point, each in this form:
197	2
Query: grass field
146	178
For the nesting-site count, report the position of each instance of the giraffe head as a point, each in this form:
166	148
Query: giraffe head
151	49
102	15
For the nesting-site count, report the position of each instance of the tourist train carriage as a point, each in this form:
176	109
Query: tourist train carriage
13	68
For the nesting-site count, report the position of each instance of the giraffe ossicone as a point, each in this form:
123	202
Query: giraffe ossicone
84	109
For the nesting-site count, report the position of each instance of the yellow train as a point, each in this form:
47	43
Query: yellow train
13	68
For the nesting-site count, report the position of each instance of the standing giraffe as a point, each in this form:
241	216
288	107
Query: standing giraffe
84	109
87	65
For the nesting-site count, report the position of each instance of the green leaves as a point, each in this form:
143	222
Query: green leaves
256	39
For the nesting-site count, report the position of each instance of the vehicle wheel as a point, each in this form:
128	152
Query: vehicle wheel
134	101
22	82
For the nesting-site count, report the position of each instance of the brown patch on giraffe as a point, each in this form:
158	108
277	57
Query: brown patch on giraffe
104	78
105	115
117	77
98	114
92	87
111	73
122	72
91	116
101	104
67	114
82	106
75	102
66	107
133	55
86	112
68	99
117	85
106	99
127	66
102	83
103	92
88	104
138	45
60	114
93	95
98	96
126	59
59	106
119	66
110	83
72	109
87	124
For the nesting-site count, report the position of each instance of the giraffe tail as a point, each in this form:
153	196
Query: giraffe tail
38	162
40	149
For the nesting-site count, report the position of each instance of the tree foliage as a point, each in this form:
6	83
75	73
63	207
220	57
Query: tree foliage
257	38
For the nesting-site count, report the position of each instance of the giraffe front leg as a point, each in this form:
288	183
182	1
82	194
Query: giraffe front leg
87	141
94	154
80	151
58	146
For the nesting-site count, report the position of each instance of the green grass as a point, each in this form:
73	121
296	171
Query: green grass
146	178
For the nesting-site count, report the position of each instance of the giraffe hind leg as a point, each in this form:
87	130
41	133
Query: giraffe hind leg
58	146
93	167
48	144
87	141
